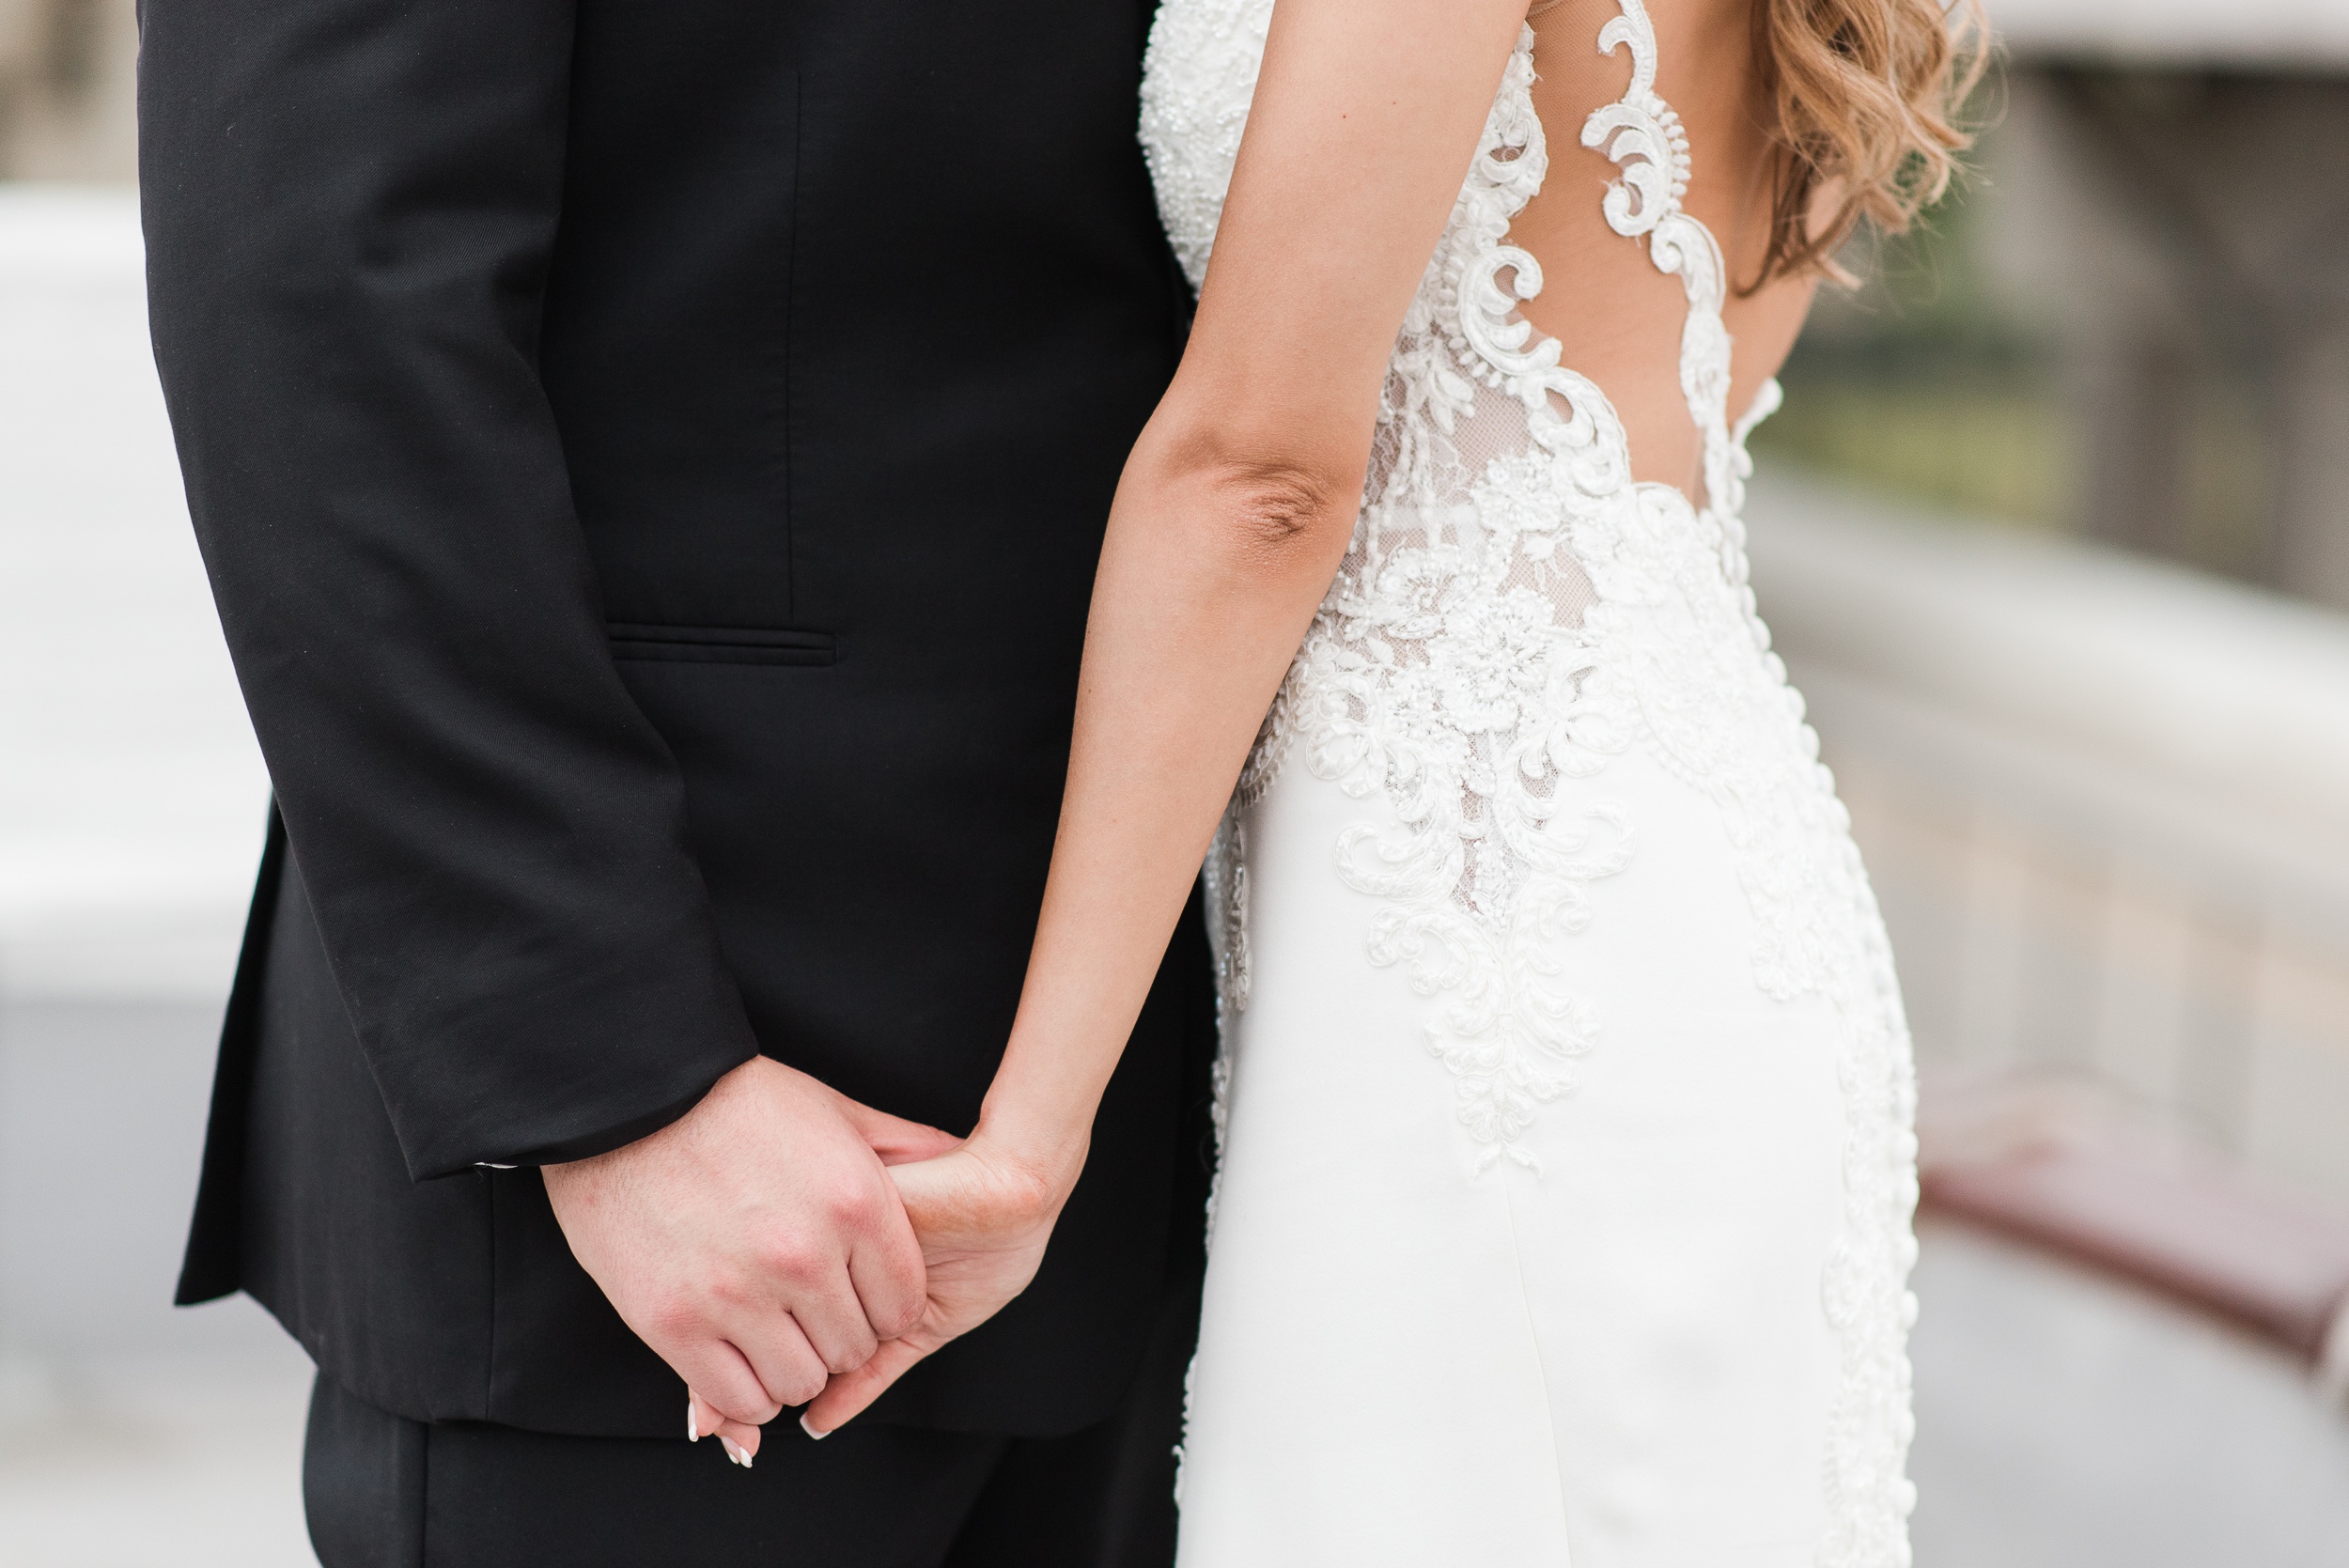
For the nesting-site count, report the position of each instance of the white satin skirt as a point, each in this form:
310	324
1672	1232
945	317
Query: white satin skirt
1616	1357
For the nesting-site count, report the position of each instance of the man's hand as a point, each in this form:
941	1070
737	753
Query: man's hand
983	1219
755	1244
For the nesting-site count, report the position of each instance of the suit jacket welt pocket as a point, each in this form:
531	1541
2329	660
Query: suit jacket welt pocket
720	645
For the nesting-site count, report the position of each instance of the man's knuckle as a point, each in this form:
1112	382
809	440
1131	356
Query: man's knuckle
897	1320
850	1205
792	1258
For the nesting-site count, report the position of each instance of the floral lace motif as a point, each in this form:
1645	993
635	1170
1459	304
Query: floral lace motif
1514	613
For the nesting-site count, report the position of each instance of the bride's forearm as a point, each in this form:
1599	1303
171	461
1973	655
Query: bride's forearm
1216	551
1236	505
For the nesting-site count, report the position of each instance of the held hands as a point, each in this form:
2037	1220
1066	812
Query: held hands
983	1217
757	1244
782	1242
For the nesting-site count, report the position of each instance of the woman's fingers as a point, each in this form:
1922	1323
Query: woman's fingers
703	1419
851	1393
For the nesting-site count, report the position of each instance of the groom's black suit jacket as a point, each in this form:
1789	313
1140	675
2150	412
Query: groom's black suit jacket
651	457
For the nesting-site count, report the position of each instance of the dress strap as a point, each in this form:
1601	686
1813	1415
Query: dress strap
1643	137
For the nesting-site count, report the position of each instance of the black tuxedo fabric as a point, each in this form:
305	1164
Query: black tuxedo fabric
650	456
383	1492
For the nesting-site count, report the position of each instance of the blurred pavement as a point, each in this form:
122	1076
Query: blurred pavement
132	796
2066	1422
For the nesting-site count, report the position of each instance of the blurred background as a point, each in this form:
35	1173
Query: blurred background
2053	532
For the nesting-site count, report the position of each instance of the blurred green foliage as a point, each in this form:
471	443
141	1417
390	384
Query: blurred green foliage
1916	383
1921	384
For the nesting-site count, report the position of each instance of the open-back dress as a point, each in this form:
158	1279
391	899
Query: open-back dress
1567	1171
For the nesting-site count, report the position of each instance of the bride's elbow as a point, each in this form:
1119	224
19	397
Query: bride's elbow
1265	502
1278	509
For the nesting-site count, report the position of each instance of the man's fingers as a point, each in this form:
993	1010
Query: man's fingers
891	1286
721	1382
789	1368
833	1321
851	1393
814	1270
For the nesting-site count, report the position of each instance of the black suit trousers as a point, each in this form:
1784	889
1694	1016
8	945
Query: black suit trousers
386	1492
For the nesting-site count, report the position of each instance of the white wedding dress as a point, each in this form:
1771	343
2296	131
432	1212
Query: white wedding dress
1564	1212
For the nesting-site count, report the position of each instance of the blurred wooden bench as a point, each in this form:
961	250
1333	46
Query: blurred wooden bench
2056	1163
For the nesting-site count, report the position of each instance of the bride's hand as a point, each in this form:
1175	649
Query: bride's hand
982	1217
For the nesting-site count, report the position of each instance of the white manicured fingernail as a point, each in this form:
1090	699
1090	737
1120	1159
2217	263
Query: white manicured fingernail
692	1424
819	1437
736	1453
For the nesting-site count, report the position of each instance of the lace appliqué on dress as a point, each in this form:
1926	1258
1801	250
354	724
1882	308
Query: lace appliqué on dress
1447	670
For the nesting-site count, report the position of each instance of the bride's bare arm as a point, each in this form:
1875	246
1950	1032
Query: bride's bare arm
1228	524
1237	504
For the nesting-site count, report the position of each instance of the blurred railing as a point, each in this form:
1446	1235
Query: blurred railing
2106	806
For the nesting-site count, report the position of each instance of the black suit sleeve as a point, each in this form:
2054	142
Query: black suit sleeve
350	206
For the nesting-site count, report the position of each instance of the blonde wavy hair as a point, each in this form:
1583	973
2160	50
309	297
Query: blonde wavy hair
1864	102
